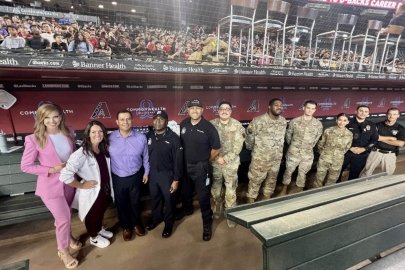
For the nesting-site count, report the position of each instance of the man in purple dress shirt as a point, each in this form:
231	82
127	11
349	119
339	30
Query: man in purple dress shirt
129	152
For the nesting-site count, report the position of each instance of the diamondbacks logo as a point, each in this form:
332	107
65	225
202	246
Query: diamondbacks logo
346	104
382	102
101	111
183	109
254	106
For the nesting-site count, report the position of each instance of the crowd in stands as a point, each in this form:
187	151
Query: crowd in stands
157	44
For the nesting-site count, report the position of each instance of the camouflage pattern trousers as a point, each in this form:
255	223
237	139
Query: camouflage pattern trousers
226	175
329	168
263	172
303	161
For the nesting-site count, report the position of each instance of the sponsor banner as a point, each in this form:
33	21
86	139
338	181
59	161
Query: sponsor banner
99	64
383	4
82	106
79	86
19	10
51	63
9	60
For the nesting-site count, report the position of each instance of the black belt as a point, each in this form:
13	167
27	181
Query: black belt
129	176
383	151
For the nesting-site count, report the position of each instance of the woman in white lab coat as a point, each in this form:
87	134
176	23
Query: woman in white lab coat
91	163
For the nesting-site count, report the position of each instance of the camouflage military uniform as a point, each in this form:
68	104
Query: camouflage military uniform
231	136
265	137
334	144
302	136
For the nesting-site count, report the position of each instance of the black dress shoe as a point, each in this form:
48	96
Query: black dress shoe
207	232
167	231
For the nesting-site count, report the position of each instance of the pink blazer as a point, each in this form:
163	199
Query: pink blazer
48	185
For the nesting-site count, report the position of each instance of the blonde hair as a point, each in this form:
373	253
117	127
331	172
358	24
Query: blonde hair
40	129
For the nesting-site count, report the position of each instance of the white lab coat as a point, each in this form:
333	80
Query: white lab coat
87	168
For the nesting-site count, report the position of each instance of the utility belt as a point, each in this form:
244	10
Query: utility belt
383	151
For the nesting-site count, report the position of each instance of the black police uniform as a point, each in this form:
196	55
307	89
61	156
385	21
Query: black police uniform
166	165
198	141
396	130
364	135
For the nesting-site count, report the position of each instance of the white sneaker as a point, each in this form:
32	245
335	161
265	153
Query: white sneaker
99	241
104	233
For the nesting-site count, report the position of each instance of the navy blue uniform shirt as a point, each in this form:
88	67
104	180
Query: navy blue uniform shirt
165	153
364	134
198	140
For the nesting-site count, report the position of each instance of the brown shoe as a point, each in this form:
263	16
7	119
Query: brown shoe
139	230
127	234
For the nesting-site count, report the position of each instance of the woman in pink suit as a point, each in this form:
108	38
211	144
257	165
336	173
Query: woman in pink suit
51	144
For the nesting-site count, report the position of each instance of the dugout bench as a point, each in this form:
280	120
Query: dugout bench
18	203
333	227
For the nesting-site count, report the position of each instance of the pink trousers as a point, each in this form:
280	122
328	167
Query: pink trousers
60	209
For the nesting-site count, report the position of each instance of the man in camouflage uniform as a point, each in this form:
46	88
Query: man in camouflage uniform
265	137
225	166
302	135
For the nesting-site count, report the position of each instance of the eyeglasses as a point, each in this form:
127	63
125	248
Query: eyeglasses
225	109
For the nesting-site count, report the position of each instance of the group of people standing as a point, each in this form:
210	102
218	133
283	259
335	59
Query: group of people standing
69	178
204	158
356	144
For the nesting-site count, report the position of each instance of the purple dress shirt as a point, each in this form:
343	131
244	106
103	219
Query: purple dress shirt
128	154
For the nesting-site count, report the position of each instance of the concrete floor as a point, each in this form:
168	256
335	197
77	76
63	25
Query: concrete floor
235	248
35	241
